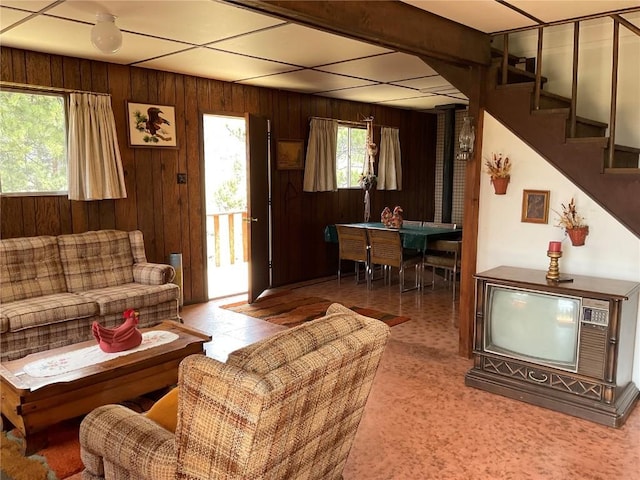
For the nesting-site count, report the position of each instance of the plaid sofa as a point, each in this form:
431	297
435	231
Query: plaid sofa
285	408
53	288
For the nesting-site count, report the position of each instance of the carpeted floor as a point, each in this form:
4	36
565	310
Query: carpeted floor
290	309
59	460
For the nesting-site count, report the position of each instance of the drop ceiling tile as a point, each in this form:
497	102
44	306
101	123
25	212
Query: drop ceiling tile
433	82
390	67
66	37
209	63
484	15
196	22
8	17
299	45
307	81
371	94
30	5
423	103
568	9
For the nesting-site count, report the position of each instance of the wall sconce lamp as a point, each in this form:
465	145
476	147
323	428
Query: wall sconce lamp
105	35
466	139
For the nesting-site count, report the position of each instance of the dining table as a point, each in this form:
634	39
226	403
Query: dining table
413	237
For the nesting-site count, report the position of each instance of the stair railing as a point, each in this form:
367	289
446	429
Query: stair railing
614	94
617	21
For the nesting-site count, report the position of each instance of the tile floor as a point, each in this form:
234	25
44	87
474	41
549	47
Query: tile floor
422	422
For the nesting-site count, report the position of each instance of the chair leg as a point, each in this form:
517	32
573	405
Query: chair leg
453	279
433	278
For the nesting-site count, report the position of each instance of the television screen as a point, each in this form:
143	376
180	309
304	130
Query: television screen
534	326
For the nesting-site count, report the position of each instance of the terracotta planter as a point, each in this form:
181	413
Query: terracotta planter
577	235
500	184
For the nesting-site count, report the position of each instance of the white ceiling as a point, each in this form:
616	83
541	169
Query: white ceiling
211	39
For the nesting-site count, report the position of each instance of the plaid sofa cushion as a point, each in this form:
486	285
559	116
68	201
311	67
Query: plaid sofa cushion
30	267
4	321
14	345
97	259
45	310
131	295
137	246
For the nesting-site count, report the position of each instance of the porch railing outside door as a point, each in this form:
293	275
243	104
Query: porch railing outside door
227	238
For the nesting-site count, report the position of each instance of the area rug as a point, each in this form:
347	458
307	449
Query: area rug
60	459
290	309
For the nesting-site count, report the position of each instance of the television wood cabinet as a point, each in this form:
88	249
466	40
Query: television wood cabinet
600	388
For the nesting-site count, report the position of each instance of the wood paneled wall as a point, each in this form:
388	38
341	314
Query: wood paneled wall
171	216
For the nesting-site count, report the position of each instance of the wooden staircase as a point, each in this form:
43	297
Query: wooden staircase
581	155
544	120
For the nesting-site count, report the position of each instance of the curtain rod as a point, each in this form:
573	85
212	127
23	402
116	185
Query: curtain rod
351	122
41	88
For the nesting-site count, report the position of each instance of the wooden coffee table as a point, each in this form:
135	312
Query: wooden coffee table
33	404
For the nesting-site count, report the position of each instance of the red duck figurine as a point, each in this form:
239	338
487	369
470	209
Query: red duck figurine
123	337
396	218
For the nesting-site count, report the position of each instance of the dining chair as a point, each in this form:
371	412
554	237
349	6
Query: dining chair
386	250
445	255
353	244
412	223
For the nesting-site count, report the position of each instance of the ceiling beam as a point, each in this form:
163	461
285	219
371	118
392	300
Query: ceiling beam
390	24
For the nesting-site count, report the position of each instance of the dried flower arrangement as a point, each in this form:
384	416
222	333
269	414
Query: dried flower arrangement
497	166
569	218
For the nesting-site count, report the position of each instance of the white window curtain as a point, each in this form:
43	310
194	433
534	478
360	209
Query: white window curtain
95	166
390	162
320	164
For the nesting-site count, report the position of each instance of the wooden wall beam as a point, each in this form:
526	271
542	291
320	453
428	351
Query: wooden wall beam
390	24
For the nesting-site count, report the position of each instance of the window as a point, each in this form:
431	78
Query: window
350	156
32	143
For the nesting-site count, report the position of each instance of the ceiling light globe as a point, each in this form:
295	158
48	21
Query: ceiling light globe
105	35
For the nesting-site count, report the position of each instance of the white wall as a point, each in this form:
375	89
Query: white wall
594	70
610	251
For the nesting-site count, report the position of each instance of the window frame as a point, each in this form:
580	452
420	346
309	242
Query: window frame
65	106
350	127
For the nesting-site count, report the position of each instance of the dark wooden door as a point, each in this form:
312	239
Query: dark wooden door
258	210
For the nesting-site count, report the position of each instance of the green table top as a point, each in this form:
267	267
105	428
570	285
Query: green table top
413	236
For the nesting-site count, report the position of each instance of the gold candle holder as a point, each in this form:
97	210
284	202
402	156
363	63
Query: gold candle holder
554	271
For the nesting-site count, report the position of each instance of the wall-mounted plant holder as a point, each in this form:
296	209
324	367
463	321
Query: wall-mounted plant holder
500	184
574	224
577	235
499	168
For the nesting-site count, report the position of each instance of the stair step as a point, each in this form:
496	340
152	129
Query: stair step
603	142
517	75
552	100
522	85
497	53
624	148
514	60
585	127
624	171
624	157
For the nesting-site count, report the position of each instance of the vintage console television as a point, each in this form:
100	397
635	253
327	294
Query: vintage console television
567	346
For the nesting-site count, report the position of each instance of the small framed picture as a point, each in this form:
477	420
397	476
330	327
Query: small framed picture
289	155
151	125
535	206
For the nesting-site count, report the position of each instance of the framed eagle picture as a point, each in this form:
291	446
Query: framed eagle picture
151	125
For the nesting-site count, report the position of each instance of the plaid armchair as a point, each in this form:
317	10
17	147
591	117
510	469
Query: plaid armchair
286	407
